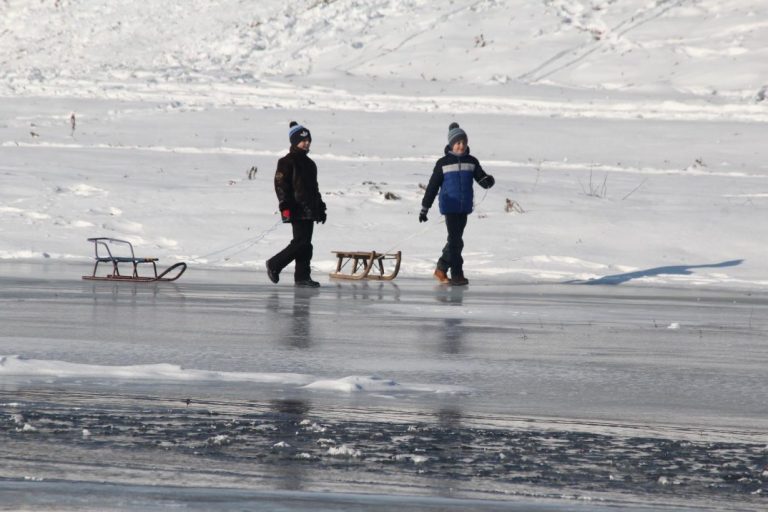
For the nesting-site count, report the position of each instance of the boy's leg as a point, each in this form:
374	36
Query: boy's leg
296	250
444	261
302	236
452	252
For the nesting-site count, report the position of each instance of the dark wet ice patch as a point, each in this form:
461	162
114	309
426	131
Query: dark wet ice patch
439	447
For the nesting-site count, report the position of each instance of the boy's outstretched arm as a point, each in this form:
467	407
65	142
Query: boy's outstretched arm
482	178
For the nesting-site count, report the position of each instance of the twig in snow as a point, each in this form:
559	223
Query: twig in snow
595	190
635	189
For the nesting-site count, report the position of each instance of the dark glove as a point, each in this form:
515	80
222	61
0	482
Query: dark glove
321	218
285	214
423	215
487	181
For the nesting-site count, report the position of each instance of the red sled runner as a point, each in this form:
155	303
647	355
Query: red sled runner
125	247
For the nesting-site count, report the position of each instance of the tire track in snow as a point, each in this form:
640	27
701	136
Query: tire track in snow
572	56
428	27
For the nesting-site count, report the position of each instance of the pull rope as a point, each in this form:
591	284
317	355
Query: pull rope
485	194
251	241
428	227
246	244
412	235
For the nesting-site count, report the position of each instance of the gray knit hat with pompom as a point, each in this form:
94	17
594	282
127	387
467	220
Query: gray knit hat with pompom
455	133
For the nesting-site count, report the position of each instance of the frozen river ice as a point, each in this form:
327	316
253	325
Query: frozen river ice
230	390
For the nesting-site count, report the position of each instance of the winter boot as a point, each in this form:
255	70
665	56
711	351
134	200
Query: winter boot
459	279
441	276
273	275
307	283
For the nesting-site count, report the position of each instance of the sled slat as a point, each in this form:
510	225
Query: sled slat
366	265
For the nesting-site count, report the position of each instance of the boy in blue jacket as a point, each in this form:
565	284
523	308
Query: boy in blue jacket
452	178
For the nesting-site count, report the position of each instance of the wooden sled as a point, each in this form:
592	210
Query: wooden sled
104	243
365	265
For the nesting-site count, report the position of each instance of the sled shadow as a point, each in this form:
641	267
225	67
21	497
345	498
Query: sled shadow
680	270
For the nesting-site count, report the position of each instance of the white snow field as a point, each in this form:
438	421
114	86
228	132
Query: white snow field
628	143
627	138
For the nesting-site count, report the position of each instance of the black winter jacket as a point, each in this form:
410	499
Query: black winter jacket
296	186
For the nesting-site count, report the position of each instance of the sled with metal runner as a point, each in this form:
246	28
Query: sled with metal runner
372	265
103	254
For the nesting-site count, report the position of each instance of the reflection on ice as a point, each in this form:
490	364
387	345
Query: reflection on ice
452	335
453	295
291	321
298	444
367	290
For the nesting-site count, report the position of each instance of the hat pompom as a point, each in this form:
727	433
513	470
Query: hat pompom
293	123
453	125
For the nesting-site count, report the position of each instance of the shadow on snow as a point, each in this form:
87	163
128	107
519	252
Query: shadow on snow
681	270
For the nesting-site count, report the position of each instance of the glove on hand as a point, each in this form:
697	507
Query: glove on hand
487	181
321	218
285	214
423	215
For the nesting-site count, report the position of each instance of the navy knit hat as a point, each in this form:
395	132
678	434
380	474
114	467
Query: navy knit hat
455	133
298	133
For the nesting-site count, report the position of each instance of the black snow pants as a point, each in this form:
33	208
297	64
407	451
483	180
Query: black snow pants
299	250
451	257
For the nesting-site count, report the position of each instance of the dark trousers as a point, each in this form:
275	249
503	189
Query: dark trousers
451	257
299	250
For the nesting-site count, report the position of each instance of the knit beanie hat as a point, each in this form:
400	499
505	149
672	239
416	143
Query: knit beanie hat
298	133
455	133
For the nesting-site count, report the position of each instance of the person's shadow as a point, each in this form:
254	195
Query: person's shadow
680	270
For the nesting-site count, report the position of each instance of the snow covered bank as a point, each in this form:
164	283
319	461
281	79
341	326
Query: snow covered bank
14	366
627	138
657	202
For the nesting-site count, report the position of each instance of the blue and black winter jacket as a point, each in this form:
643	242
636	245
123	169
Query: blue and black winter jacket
452	177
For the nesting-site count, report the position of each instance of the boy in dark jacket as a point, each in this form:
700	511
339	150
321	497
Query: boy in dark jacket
452	178
300	204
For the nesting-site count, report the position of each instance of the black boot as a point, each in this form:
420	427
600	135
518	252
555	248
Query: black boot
307	283
272	274
459	279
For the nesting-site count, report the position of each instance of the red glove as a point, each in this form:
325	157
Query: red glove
286	215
